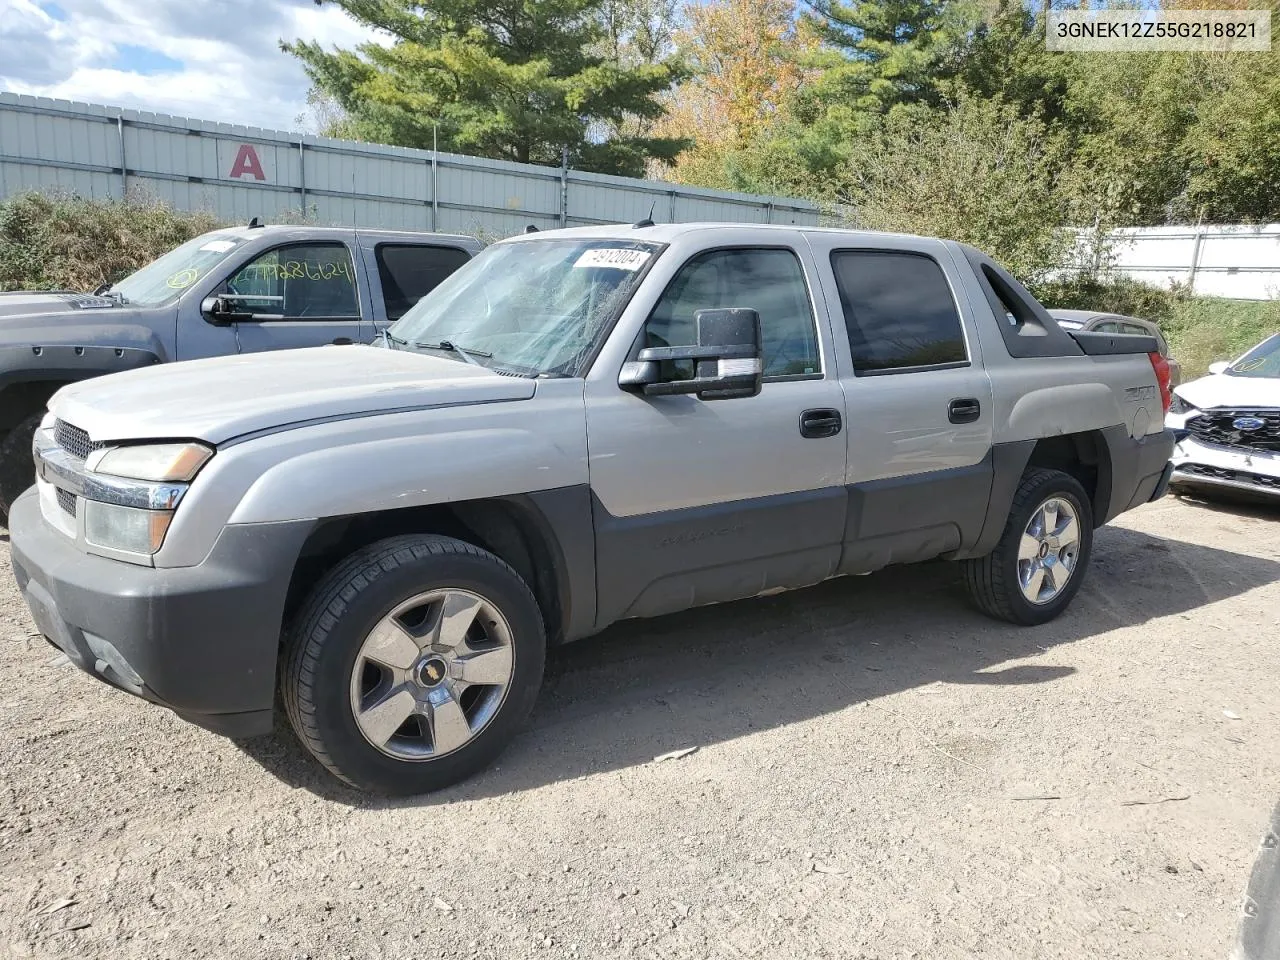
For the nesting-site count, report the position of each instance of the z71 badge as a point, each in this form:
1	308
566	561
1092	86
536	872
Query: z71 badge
1139	393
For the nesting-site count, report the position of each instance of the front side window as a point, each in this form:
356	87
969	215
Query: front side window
408	272
769	281
302	281
898	311
532	307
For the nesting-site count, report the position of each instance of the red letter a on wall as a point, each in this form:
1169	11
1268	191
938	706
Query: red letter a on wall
247	162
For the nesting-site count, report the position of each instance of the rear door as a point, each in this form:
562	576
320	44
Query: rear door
917	400
405	273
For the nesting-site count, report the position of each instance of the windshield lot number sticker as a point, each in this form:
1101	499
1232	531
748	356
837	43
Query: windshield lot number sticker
619	259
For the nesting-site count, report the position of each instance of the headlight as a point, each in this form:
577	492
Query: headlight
124	528
1180	406
158	462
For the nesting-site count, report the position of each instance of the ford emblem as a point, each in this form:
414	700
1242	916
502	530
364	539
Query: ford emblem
1248	424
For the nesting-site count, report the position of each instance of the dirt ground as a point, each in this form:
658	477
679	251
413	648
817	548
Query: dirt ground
880	772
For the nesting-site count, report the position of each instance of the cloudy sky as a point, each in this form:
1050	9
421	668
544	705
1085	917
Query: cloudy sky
216	60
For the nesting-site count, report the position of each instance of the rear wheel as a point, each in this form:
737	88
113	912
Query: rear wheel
413	663
17	468
1040	561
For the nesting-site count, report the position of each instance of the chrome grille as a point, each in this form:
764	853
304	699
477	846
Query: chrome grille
1225	473
66	500
1218	426
74	440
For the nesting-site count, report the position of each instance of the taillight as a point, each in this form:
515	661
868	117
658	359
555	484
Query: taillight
1161	367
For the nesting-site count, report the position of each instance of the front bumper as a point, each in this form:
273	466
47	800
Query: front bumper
200	640
1209	465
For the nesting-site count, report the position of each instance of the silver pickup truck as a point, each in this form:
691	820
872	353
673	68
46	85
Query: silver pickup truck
578	426
231	291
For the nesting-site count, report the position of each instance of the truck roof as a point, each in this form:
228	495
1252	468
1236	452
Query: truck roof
667	232
271	229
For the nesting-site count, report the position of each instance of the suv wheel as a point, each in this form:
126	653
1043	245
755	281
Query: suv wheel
1040	561
413	663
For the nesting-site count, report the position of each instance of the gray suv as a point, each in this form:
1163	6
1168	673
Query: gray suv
577	427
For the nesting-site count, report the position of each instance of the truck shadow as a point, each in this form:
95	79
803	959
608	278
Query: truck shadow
645	687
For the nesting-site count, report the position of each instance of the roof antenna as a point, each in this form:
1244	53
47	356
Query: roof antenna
531	229
648	220
255	223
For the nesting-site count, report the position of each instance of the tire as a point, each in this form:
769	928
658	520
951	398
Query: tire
995	582
331	704
17	468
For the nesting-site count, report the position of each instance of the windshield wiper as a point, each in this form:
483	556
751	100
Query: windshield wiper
448	346
390	339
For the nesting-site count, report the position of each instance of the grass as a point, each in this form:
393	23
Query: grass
1201	330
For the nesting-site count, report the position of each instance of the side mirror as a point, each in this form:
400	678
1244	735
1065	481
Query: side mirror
727	359
1221	366
219	311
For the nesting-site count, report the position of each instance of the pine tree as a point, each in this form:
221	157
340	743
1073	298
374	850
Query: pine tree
507	79
886	53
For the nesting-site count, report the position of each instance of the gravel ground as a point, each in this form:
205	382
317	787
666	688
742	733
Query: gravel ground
880	772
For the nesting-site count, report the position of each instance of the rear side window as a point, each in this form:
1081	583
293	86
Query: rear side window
408	272
898	311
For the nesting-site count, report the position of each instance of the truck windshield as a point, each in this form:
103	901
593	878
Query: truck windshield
164	279
1262	361
535	307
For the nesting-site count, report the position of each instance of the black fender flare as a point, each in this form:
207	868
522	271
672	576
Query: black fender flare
62	363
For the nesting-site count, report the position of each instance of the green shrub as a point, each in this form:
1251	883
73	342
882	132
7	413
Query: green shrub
1205	329
63	242
1200	330
1121	295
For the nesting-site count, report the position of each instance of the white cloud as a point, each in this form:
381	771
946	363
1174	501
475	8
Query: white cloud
231	67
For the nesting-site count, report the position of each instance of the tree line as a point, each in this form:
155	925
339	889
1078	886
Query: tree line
946	117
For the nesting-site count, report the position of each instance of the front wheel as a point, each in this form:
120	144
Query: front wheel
413	663
17	468
1040	561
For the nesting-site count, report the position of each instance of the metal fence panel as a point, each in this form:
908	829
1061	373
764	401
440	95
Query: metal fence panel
1235	261
238	172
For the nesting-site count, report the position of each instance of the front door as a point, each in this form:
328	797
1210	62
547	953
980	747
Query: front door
298	295
698	501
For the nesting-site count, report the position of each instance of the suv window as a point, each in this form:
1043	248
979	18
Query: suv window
898	310
409	272
301	281
769	281
1134	328
1107	326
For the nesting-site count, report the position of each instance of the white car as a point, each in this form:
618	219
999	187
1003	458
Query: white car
1228	425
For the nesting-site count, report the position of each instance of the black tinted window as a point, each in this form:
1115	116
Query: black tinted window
898	310
409	273
770	282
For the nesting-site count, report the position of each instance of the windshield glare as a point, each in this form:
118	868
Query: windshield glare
164	279
534	307
1262	361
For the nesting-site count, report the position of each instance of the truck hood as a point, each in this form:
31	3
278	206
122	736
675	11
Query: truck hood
224	397
1224	390
28	303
